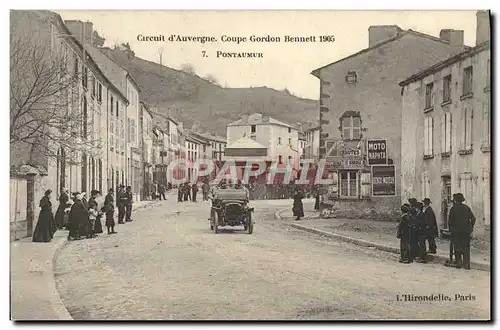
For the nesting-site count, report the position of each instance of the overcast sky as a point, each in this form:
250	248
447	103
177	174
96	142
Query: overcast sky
284	65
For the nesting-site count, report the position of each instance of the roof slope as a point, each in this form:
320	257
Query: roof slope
258	119
399	36
246	143
447	62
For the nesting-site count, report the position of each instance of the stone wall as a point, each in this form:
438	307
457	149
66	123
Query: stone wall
383	209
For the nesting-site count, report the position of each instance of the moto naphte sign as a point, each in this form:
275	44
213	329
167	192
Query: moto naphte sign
376	152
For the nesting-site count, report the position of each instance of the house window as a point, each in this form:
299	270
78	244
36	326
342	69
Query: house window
289	130
280	159
466	187
84	172
351	128
279	141
348	184
290	160
85	77
92	82
111	104
447	89
428	136
487	123
204	148
99	92
85	118
467	126
446	132
351	77
75	67
253	129
289	141
425	186
467	82
429	96
100	175
117	113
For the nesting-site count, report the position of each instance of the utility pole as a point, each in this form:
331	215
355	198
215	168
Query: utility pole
160	52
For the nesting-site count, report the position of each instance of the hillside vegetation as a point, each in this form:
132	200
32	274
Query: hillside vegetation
206	105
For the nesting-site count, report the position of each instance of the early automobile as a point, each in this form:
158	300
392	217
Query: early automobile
230	208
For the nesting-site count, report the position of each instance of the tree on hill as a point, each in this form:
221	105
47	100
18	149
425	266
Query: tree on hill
97	40
125	47
189	69
211	79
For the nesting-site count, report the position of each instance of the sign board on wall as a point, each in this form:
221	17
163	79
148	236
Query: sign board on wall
384	180
344	155
376	152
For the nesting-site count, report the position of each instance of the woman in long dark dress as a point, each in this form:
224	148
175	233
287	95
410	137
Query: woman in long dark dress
63	204
78	217
298	207
43	230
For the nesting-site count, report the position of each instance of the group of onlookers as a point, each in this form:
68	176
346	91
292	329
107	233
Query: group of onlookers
82	217
418	228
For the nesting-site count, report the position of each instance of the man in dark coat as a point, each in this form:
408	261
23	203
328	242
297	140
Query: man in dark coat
298	208
431	225
205	188
161	191
128	204
180	193
84	225
414	226
404	234
121	201
109	209
187	192
461	223
195	191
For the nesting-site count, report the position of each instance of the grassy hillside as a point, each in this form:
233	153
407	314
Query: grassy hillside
209	106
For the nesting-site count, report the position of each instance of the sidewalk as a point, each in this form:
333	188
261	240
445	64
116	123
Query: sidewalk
378	234
33	290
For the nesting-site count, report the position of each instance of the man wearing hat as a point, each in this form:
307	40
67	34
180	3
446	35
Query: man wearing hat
461	223
121	201
128	204
78	217
431	225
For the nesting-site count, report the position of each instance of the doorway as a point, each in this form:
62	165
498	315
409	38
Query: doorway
446	200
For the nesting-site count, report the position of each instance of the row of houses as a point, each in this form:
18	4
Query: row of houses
105	135
409	116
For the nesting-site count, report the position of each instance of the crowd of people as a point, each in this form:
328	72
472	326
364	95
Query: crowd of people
418	228
82	217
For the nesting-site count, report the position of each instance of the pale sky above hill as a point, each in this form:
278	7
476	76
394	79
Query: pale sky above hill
284	65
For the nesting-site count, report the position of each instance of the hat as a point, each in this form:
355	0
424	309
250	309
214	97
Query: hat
75	194
110	190
405	208
426	201
121	186
48	192
412	201
95	192
459	197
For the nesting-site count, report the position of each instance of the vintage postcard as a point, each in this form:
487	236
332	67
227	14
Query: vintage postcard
250	165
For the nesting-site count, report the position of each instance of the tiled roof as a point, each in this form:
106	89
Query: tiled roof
246	143
258	119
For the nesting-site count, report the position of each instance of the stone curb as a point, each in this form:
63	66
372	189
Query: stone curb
391	249
59	307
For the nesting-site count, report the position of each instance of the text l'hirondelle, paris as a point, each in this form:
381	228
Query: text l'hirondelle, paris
235	39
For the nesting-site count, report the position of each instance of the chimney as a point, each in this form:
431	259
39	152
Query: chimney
80	29
482	26
453	37
379	33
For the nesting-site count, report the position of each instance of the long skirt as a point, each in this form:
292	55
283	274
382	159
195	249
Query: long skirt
59	217
98	225
44	228
298	209
110	219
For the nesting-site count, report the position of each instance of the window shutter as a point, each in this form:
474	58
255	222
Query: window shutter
365	184
449	130
422	185
431	138
469	128
426	136
444	133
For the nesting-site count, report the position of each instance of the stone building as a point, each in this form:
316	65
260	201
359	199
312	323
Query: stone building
360	117
280	139
146	129
80	162
446	124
